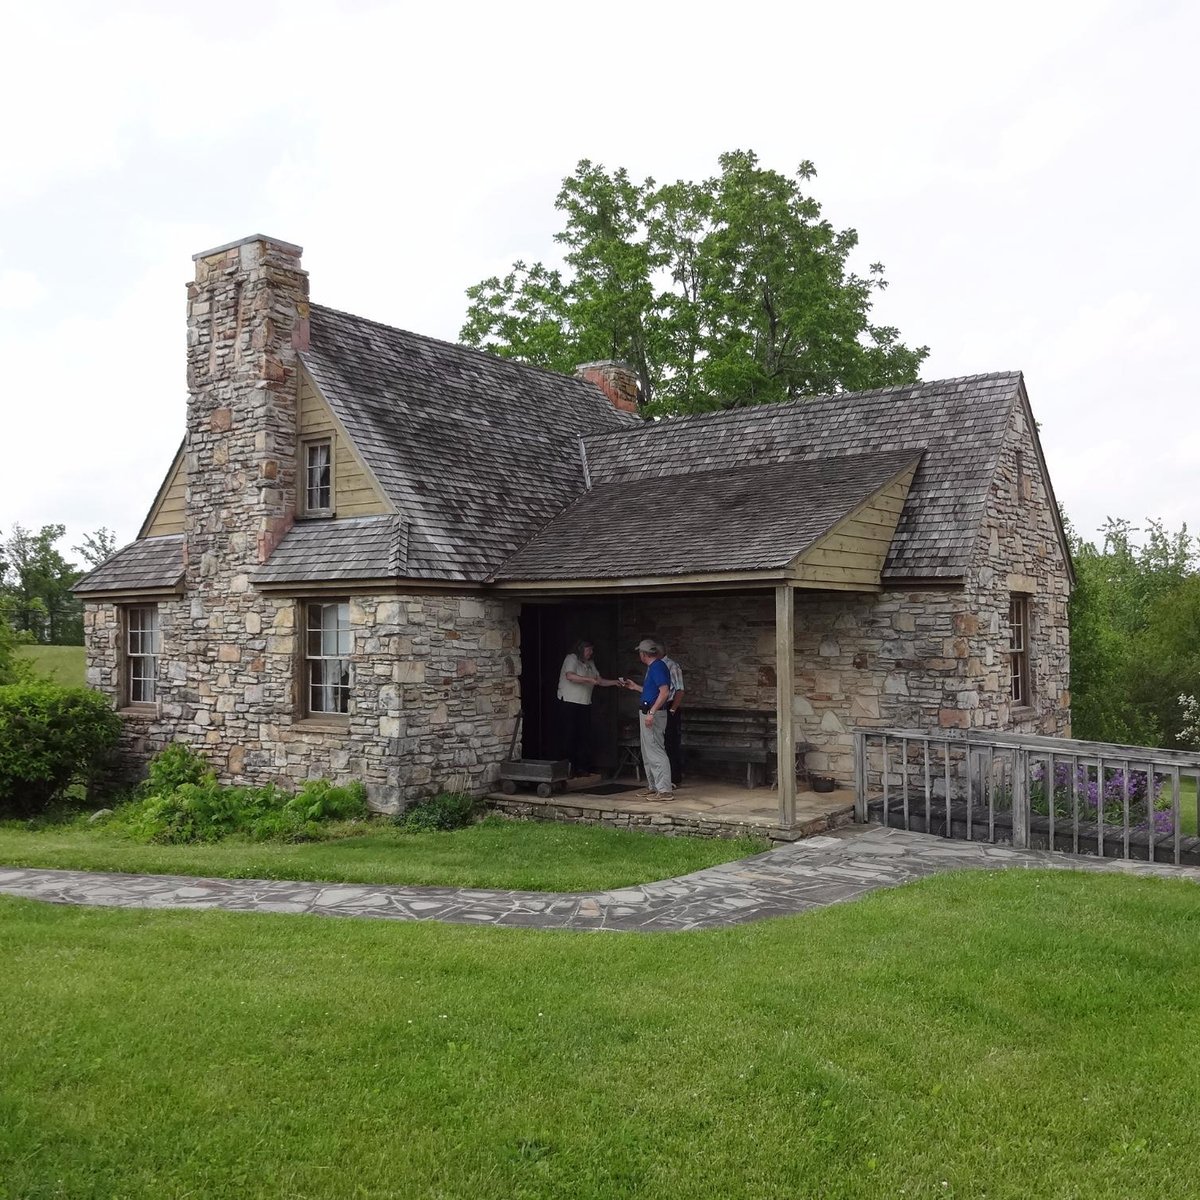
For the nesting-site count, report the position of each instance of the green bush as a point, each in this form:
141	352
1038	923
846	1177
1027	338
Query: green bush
447	810
51	737
181	801
174	766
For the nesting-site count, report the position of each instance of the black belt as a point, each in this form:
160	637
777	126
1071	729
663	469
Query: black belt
647	709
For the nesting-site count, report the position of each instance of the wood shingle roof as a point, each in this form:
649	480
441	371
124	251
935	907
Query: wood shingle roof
498	471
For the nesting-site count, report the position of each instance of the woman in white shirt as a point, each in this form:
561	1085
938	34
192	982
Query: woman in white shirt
576	680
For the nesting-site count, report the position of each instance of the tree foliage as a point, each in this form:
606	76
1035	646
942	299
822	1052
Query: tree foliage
97	547
1135	634
726	292
36	601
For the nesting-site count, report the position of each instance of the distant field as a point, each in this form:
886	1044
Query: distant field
63	664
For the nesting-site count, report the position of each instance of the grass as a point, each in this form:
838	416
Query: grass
63	664
1016	1034
496	853
1187	807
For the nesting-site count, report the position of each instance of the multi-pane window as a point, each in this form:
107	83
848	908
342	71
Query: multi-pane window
142	648
318	477
1018	648
327	649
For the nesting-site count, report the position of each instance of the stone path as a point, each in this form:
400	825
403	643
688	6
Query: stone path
791	879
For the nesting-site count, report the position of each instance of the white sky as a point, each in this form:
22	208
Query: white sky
1027	172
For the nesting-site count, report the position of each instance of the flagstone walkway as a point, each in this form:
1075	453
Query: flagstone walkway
791	879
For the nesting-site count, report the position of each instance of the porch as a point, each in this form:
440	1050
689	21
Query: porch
702	808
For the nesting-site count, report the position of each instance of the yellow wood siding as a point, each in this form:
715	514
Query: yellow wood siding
167	515
852	554
354	492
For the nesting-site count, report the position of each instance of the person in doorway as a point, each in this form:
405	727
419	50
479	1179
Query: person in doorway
673	740
653	725
577	679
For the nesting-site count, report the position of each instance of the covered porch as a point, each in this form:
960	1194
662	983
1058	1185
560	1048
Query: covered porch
719	584
738	649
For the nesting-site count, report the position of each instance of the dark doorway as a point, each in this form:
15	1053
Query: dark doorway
548	632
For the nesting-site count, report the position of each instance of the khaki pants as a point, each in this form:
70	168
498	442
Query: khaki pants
654	752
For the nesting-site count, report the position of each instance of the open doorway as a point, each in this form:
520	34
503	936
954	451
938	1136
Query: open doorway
548	633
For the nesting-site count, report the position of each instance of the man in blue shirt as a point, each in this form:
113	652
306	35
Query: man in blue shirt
655	691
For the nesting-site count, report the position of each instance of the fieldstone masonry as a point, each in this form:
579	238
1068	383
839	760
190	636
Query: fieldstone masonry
436	676
435	693
922	658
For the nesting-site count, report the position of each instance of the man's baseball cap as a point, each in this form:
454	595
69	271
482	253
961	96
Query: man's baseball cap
647	646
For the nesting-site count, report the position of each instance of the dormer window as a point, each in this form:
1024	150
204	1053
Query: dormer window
318	478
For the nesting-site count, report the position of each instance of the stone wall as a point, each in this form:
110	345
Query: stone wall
436	676
926	658
1019	552
434	698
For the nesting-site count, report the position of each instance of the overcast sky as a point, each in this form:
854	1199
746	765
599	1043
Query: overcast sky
1027	173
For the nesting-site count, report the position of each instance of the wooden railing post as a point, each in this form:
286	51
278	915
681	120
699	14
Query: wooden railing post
1020	800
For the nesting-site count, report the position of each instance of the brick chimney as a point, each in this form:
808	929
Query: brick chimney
617	380
247	318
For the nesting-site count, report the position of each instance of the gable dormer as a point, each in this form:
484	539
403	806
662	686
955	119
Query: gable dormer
332	479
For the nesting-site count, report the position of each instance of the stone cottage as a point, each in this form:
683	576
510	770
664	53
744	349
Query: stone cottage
373	548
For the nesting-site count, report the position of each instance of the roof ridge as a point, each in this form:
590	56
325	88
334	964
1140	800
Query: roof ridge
458	346
672	422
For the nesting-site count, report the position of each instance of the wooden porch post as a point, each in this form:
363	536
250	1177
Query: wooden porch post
785	691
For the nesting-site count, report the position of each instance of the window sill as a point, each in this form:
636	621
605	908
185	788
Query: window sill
317	514
1023	712
138	710
331	724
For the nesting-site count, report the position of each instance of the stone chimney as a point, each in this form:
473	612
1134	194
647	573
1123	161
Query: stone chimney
617	380
247	319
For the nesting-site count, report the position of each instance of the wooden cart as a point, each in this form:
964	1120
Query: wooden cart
547	775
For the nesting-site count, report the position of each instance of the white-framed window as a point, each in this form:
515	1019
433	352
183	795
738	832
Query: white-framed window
143	645
328	646
318	477
1018	649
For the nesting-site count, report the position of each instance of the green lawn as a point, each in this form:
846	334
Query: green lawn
1017	1034
497	853
1187	807
63	664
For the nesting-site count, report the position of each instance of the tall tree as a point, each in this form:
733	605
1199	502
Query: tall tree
36	585
97	547
730	291
1135	634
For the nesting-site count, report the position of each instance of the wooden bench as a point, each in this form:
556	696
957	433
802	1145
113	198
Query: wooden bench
726	735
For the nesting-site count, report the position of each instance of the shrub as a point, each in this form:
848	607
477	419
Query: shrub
50	737
1189	734
182	801
447	810
174	766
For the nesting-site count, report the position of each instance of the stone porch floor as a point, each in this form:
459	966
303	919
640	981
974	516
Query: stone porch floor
701	808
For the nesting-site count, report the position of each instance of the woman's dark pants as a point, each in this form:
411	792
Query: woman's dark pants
577	719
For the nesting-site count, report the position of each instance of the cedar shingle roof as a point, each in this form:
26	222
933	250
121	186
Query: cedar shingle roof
155	562
960	424
476	452
750	518
482	459
351	548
